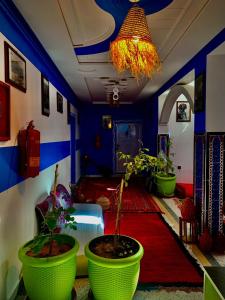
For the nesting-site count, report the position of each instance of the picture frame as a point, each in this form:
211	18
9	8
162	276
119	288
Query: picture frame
162	143
15	68
199	102
107	122
183	111
4	112
45	105
59	99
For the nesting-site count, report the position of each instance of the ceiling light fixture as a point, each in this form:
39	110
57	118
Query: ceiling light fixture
115	93
113	97
133	48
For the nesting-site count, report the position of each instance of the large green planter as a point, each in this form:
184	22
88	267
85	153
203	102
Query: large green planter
49	278
113	279
165	185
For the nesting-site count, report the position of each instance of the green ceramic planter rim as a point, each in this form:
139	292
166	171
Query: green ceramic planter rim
47	262
168	178
114	262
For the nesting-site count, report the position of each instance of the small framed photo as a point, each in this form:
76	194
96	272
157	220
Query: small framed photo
45	105
59	98
107	122
183	111
4	112
15	68
68	112
199	103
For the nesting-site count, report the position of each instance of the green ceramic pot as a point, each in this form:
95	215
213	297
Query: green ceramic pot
166	185
113	279
52	277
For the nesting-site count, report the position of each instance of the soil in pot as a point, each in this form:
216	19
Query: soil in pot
111	246
56	246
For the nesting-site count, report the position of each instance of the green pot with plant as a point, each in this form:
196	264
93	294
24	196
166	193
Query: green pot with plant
114	262
141	164
165	178
49	260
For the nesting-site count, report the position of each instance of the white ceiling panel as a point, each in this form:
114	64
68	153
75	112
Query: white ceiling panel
179	32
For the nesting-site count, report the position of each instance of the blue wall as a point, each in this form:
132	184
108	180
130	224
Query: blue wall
91	125
150	124
111	7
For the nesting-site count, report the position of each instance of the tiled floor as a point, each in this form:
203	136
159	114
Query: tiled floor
159	293
172	212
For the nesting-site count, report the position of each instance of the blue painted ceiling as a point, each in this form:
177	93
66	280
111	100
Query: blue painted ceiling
119	9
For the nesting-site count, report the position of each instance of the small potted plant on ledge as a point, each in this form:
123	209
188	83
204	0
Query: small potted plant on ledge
165	178
49	260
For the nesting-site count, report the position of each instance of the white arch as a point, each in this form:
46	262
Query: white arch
171	98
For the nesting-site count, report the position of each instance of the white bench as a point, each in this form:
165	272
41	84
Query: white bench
90	224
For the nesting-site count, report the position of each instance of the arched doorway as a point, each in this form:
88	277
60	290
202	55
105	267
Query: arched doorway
180	131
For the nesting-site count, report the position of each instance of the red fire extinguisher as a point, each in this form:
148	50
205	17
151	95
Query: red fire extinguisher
29	151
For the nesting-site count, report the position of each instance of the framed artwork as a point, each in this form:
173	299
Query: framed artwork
162	143
4	112
59	98
68	112
199	103
45	106
107	122
15	68
183	111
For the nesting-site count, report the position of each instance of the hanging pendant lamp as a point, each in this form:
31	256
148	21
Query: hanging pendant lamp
133	48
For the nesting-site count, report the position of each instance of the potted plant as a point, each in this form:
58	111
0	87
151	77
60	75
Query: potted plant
49	260
165	178
114	262
141	163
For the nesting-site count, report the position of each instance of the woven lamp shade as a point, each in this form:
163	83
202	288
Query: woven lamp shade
133	48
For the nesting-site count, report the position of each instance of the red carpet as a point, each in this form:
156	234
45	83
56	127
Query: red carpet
135	197
165	261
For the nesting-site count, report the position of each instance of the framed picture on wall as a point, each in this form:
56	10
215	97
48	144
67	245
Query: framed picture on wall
45	105
107	122
162	143
15	68
199	103
183	111
4	112
59	98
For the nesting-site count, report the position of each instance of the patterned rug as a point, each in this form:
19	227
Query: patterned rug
166	261
135	196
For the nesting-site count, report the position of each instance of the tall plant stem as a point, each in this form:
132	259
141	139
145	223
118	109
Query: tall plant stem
53	205
54	187
119	205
